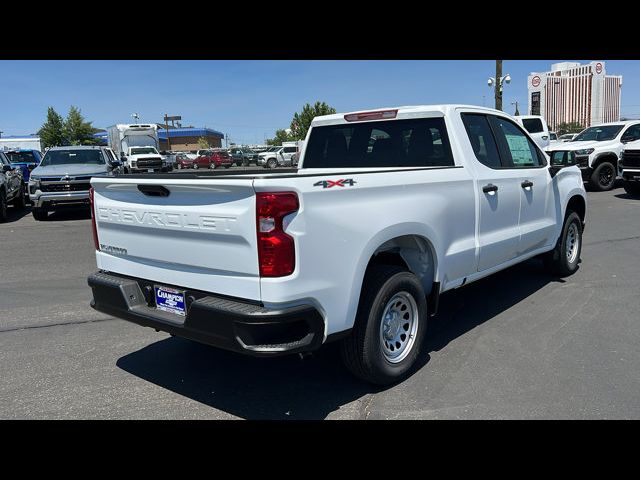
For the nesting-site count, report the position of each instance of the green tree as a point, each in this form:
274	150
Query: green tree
302	120
570	127
52	131
203	143
281	136
77	131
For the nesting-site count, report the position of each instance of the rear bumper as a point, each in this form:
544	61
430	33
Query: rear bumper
231	324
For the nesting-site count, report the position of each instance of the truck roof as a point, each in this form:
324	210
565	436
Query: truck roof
406	111
79	147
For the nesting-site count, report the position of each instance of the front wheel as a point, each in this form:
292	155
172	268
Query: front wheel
563	260
20	202
390	326
272	163
3	206
212	166
39	213
227	166
632	188
603	177
195	166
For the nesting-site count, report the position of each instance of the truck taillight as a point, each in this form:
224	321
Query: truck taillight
93	220
276	249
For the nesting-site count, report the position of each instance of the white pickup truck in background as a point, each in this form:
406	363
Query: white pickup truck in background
598	149
388	210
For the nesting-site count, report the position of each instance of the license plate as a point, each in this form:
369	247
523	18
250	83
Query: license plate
170	300
150	170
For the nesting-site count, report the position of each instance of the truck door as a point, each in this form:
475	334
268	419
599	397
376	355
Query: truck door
499	192
537	222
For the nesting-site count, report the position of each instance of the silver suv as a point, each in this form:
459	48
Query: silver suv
63	177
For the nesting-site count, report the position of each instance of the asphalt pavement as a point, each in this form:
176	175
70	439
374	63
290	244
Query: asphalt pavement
519	344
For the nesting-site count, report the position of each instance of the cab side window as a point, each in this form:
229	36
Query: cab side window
517	149
632	134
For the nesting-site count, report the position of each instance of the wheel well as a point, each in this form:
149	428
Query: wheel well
577	204
413	252
607	157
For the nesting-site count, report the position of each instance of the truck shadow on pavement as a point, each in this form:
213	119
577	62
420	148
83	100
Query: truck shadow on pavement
291	388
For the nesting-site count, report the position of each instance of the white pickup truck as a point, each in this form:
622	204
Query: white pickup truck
388	210
598	151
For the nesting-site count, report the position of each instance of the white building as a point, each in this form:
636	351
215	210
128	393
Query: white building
571	92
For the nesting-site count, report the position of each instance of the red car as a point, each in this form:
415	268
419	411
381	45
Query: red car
213	159
182	161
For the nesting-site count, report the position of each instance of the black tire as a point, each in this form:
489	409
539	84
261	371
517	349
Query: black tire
179	166
603	177
19	202
271	163
557	261
3	206
126	170
362	352
632	188
245	162
195	166
39	214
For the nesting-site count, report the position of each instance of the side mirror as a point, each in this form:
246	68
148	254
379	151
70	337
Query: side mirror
626	139
116	163
559	160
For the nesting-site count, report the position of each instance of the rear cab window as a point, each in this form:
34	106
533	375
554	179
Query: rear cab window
532	125
420	142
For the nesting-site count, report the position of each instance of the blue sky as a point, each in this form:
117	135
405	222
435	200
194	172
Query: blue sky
249	100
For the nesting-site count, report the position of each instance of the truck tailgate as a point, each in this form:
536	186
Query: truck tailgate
196	234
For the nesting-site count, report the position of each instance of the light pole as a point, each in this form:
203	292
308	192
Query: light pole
497	83
517	112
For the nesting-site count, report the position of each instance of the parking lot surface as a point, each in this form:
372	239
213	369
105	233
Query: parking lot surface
519	344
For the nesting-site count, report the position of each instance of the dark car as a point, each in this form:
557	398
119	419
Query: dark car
26	160
11	186
243	156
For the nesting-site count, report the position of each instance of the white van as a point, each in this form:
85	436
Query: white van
537	127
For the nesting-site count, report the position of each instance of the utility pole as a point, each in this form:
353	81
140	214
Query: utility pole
517	112
498	88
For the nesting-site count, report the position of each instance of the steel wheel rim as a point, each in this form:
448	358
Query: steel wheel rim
572	243
398	327
606	175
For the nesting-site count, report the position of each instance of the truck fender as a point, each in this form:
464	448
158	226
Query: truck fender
388	234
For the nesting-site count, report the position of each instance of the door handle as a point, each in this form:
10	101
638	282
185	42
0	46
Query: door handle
490	188
544	137
527	184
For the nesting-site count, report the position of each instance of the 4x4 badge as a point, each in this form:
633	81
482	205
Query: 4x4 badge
335	183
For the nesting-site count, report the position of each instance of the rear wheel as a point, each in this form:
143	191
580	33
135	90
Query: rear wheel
603	177
563	260
390	326
3	206
227	166
632	188
39	213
